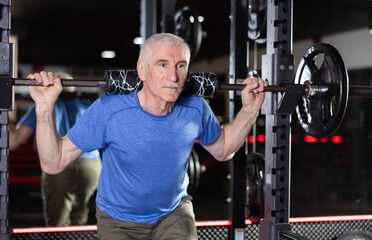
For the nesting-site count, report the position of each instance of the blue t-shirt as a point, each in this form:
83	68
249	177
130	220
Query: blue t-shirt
67	112
145	157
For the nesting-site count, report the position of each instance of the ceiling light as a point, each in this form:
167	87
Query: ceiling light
192	19
138	41
200	18
108	54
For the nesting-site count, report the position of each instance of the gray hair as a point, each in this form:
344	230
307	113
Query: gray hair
168	40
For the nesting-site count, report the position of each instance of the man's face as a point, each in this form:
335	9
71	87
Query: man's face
166	73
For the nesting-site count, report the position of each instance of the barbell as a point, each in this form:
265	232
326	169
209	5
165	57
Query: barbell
321	107
198	84
127	81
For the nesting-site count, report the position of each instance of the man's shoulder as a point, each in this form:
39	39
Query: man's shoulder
120	100
191	100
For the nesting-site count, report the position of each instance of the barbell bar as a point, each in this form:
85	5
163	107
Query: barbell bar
355	91
128	83
65	82
103	84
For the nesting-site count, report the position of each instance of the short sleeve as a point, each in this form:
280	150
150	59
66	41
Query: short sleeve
211	128
89	132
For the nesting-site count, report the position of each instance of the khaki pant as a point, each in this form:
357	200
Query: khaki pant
66	195
179	224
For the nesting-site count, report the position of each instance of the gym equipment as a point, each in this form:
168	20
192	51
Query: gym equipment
194	170
255	182
257	20
319	92
188	27
321	112
357	234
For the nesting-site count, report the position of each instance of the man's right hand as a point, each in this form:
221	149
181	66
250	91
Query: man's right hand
49	92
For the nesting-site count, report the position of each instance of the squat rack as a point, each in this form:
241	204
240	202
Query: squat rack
275	223
277	168
6	104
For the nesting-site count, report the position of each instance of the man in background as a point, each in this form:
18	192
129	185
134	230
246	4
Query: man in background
65	195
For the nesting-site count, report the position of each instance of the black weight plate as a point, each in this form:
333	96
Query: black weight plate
355	235
257	20
193	171
321	111
255	183
188	27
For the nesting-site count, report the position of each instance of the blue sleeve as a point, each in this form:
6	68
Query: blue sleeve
29	118
211	128
89	133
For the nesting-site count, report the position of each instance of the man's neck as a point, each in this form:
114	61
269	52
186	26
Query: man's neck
154	105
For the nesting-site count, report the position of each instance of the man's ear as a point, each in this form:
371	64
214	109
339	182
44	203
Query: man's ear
141	70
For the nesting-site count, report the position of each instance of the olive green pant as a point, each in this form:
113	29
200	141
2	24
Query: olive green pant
179	224
66	195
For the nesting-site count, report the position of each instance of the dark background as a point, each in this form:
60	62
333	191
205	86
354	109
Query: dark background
327	178
75	32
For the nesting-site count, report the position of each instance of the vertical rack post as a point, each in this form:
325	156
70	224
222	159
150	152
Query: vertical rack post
6	105
237	69
148	19
277	68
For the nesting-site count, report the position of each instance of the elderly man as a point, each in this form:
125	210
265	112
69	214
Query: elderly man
146	139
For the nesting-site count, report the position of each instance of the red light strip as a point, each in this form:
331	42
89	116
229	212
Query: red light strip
13	158
261	138
330	218
310	139
197	224
35	179
307	139
212	223
336	139
24	166
55	229
26	148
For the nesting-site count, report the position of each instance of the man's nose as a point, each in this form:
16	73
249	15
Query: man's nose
173	75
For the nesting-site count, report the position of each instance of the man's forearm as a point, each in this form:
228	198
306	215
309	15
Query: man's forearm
238	130
48	140
233	135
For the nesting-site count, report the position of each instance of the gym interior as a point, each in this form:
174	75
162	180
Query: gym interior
325	192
